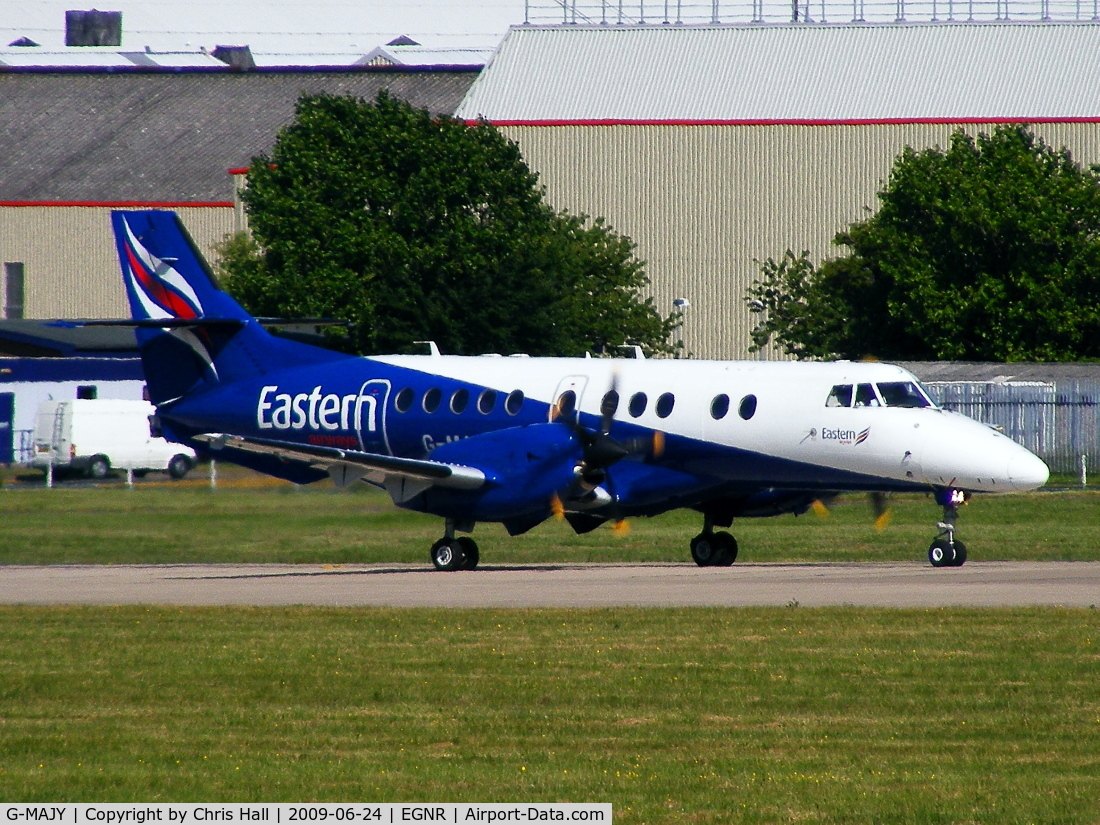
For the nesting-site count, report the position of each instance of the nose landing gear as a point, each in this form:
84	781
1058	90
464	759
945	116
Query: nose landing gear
946	550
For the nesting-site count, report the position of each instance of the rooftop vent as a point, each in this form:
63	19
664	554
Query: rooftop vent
238	57
93	28
23	41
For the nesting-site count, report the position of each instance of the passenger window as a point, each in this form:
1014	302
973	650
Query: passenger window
431	400
610	403
514	402
903	394
664	405
748	407
841	396
486	401
403	401
719	407
459	401
865	396
638	403
567	404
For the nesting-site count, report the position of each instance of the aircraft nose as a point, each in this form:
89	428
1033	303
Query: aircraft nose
1028	472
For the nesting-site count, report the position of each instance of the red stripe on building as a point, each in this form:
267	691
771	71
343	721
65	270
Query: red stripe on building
895	121
126	204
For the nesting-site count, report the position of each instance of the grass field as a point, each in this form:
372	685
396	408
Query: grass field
695	715
248	519
702	716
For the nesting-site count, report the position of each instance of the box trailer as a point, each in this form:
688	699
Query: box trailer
93	436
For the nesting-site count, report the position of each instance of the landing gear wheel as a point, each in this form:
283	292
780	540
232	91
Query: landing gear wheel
960	554
447	554
704	550
942	553
470	553
727	549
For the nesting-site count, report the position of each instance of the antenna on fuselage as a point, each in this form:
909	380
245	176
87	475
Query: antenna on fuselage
433	349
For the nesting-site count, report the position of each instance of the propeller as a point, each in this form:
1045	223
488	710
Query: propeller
883	514
599	450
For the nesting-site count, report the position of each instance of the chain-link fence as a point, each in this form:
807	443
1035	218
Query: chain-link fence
1060	422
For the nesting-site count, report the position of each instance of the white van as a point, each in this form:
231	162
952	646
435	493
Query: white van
93	436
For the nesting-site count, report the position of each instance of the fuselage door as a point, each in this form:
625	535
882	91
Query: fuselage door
567	397
370	416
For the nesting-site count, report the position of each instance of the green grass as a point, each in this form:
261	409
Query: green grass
169	523
690	715
679	715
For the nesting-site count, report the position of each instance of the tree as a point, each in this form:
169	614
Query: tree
416	227
988	251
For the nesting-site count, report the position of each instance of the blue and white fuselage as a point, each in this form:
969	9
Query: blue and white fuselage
516	439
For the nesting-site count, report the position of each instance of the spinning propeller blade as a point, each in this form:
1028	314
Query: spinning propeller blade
883	514
599	450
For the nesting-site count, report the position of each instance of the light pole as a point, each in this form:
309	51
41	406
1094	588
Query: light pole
680	304
758	307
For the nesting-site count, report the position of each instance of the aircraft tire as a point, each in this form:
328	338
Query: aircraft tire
447	554
727	549
704	549
470	553
942	554
960	554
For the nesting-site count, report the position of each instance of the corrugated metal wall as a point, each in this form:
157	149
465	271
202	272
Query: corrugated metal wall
70	265
703	202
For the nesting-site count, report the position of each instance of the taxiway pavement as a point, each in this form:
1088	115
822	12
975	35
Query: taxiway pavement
912	584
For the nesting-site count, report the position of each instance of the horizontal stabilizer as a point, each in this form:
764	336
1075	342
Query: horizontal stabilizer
228	324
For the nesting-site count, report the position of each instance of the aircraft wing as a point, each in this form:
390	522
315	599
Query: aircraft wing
402	478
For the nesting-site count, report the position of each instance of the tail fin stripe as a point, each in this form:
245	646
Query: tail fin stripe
157	284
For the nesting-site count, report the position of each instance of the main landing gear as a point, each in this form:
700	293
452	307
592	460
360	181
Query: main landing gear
710	549
451	553
946	550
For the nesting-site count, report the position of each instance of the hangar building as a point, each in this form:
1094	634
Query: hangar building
141	130
78	142
714	146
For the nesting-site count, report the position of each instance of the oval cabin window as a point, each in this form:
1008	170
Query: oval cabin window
748	407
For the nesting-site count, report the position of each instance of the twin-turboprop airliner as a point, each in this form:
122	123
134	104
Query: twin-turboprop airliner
518	440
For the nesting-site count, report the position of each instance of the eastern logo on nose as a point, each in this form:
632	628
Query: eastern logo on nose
840	436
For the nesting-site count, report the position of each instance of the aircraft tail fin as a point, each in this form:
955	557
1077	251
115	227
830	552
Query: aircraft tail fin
190	332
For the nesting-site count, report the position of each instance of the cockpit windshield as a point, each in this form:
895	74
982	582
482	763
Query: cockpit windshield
903	394
887	394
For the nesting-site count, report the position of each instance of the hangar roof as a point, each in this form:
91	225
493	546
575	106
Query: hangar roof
165	137
20	58
934	371
951	72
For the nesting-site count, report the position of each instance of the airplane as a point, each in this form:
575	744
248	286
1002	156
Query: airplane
517	440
